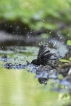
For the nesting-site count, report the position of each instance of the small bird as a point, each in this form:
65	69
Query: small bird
52	51
43	56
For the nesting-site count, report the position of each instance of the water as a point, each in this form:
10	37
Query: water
18	87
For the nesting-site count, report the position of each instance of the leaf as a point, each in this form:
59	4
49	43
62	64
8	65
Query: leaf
64	61
69	42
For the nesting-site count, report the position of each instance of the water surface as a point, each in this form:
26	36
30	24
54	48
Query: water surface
19	87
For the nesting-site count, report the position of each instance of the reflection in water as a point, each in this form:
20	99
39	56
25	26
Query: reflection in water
17	88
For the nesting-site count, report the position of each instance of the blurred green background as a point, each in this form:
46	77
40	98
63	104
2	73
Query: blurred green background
35	15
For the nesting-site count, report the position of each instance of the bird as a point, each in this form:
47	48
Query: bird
53	50
43	56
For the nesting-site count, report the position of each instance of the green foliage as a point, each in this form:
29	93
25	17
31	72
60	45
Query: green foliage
64	61
69	42
37	14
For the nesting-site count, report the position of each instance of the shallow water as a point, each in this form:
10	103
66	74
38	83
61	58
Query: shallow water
19	87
